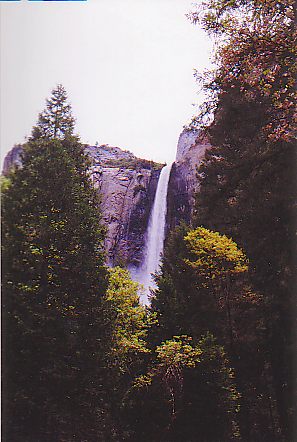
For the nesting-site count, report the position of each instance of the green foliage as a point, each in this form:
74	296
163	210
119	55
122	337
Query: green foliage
177	352
170	298
214	254
53	285
187	393
5	183
56	121
126	348
134	164
248	189
256	57
218	267
129	324
247	185
202	286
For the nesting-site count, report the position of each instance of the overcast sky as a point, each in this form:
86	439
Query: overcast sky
127	66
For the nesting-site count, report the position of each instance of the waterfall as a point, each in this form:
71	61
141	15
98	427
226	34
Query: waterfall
155	235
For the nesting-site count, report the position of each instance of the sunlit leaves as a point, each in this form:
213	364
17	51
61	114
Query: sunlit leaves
190	384
128	317
214	254
178	351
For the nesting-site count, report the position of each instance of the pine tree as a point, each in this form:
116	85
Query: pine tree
56	121
53	285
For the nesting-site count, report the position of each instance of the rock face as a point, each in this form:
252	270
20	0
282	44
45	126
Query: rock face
186	140
13	158
183	181
127	186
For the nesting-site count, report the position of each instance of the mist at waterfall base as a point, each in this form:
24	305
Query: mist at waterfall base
155	237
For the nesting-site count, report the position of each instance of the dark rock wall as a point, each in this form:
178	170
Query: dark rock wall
127	195
183	178
179	207
138	221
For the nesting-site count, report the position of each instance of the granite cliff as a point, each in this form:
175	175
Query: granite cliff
127	186
13	158
191	149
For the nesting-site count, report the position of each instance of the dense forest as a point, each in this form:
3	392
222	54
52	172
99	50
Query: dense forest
212	358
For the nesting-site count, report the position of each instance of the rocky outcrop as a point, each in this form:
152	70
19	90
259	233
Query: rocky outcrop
187	139
127	186
13	158
183	179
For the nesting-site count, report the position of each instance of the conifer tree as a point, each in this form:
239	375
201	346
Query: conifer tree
247	183
53	284
187	394
204	286
56	121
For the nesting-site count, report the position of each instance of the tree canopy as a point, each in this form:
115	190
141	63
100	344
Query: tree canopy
56	121
247	182
53	285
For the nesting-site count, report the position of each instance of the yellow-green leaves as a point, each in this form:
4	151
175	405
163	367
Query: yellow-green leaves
214	254
4	183
128	318
178	351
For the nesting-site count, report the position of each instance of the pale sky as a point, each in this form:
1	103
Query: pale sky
127	66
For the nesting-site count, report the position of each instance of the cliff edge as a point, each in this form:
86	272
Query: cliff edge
183	179
127	187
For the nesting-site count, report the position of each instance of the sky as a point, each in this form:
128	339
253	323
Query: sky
127	66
